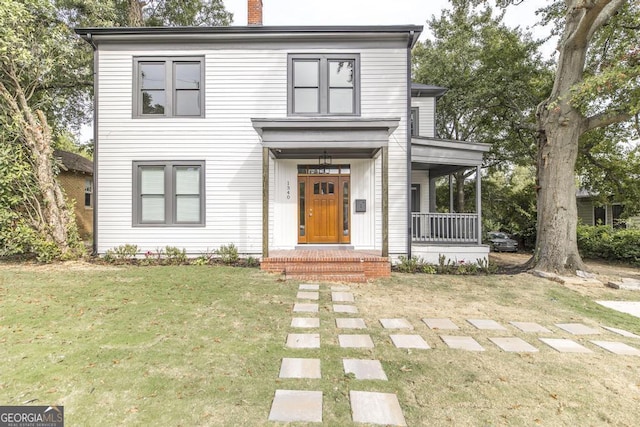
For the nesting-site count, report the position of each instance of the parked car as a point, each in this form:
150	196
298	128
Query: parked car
501	242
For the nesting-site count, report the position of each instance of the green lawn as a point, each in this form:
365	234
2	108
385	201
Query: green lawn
202	346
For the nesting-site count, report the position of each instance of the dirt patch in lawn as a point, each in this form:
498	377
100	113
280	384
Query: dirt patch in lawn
605	272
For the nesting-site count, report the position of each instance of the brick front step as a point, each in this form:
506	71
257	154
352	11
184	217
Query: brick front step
327	277
346	266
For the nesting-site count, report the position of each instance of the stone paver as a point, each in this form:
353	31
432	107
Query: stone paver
376	408
461	343
396	324
350	323
305	322
364	369
621	332
340	288
577	329
341	308
486	324
355	341
300	368
565	346
308	287
296	405
531	327
342	297
303	341
308	295
513	344
305	308
409	341
618	348
629	307
444	324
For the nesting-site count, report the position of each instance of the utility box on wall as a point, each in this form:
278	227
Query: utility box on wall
361	205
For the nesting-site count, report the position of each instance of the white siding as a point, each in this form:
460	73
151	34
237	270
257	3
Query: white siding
239	85
426	116
384	94
422	178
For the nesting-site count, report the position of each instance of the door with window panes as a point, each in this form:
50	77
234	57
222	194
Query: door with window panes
323	204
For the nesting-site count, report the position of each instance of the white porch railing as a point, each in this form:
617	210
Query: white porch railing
444	227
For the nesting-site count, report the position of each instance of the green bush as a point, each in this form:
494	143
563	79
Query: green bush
228	254
605	242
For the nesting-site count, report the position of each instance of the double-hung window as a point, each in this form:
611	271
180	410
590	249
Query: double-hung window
168	193
324	84
168	87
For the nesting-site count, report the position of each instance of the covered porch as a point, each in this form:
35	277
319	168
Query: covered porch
454	235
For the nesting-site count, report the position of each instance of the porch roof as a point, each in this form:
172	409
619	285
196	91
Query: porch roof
442	156
303	137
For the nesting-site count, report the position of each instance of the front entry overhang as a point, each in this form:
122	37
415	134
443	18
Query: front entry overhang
303	137
306	138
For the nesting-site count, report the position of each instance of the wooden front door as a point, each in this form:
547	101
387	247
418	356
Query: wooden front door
323	209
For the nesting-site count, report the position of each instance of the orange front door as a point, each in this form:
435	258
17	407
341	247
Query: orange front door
323	218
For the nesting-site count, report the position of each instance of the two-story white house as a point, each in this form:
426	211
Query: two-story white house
275	139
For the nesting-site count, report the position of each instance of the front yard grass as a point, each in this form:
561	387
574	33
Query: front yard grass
195	345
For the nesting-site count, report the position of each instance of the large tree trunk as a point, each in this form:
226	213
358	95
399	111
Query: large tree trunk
52	218
134	13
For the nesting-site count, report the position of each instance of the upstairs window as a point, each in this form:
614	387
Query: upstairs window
415	124
168	87
324	84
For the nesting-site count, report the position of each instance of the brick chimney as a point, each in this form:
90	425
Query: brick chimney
254	9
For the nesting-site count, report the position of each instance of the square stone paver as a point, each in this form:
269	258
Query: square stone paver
629	307
618	348
296	405
305	308
342	297
308	295
350	323
341	308
621	332
577	329
530	327
308	287
395	324
300	368
355	341
486	324
364	369
440	324
303	340
305	322
340	288
515	345
565	346
461	343
376	408
409	341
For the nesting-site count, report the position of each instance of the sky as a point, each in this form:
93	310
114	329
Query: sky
372	12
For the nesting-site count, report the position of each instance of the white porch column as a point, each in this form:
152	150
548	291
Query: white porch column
479	202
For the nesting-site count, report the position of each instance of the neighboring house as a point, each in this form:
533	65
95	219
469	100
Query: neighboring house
593	212
271	138
76	178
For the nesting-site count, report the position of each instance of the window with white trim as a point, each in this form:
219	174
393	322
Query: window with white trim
168	87
168	193
88	193
326	84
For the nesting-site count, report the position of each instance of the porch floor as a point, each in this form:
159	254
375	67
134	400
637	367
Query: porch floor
333	265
